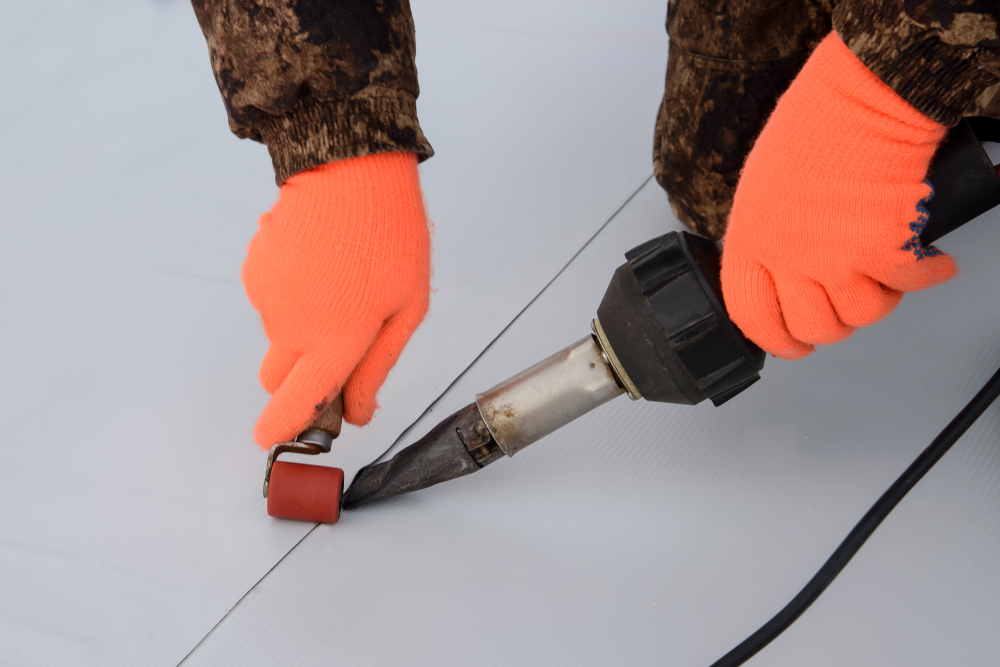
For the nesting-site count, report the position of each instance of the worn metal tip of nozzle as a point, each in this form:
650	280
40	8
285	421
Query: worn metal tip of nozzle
439	456
365	486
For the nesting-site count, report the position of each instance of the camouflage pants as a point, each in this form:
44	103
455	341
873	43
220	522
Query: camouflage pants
728	64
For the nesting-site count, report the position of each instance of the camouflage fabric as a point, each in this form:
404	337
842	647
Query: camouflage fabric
730	61
323	80
939	56
316	80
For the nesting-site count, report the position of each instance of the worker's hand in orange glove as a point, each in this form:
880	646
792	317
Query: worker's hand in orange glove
823	236
340	273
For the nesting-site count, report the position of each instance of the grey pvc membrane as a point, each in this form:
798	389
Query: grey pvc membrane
132	528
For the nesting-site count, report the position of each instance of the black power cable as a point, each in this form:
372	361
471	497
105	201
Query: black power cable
864	528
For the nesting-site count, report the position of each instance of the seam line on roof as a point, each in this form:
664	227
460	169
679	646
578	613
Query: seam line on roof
231	609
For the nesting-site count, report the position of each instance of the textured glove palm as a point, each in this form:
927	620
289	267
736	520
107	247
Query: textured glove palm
823	235
339	271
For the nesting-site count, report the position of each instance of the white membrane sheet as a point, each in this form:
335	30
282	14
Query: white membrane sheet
132	520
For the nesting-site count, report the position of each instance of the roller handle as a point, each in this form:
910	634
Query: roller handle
965	181
317	439
327	426
332	418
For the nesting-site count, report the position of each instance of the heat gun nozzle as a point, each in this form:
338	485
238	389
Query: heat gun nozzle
458	446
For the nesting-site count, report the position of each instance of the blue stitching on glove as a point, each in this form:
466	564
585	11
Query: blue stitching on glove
917	227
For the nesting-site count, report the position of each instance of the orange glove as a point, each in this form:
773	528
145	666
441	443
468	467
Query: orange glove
823	235
340	273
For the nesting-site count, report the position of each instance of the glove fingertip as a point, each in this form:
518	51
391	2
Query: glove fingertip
359	406
925	271
942	267
361	390
275	367
266	432
793	353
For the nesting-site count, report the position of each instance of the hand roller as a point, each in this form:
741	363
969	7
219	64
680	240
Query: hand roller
307	492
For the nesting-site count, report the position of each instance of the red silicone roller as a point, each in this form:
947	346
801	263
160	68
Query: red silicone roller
304	492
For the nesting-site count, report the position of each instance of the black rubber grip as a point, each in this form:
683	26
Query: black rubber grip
965	182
